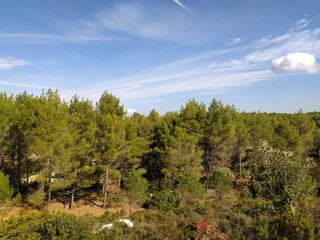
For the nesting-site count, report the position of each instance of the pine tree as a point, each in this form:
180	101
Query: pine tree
110	138
81	126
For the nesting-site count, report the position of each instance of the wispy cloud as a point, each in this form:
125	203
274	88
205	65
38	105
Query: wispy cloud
301	24
182	5
24	85
10	62
133	19
53	38
234	41
204	73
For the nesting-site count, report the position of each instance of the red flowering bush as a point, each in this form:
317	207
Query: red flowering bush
200	226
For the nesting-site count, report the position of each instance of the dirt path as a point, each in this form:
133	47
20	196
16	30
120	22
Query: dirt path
81	208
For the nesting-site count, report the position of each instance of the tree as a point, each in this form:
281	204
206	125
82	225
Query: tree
305	127
7	110
219	139
6	191
189	188
136	187
182	157
281	178
49	139
81	125
242	141
153	160
220	182
194	118
110	142
136	146
22	126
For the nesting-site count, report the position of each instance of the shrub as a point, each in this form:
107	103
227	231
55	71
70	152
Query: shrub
220	182
45	225
164	200
6	191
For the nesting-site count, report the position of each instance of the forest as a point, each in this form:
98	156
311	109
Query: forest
203	172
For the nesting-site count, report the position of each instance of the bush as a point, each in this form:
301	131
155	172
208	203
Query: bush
289	226
45	225
164	200
220	182
6	191
37	198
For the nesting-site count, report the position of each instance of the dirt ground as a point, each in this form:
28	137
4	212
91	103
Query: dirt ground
81	207
95	209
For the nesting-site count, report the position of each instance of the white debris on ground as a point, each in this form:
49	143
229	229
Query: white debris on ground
128	222
109	225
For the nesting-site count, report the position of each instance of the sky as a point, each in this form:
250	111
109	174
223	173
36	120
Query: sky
257	55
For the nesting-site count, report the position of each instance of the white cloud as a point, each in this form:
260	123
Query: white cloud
132	18
301	24
23	85
56	38
295	62
269	48
210	72
10	62
182	5
234	41
130	112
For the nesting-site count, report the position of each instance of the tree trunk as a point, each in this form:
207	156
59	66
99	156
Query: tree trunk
73	190
208	176
240	165
72	198
19	159
2	162
49	184
118	189
27	161
49	198
105	189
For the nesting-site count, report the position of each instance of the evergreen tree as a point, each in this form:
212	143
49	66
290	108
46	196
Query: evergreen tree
136	187
182	157
158	138
219	136
6	191
81	125
110	136
49	139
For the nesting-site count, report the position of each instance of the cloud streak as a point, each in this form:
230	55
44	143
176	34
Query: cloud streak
179	3
205	74
54	38
24	85
10	62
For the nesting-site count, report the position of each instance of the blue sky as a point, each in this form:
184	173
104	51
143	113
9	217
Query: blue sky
257	55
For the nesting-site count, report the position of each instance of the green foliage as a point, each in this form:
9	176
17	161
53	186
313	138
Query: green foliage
220	182
164	200
79	148
288	226
159	225
280	178
6	191
136	186
37	198
219	135
189	188
45	225
183	156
